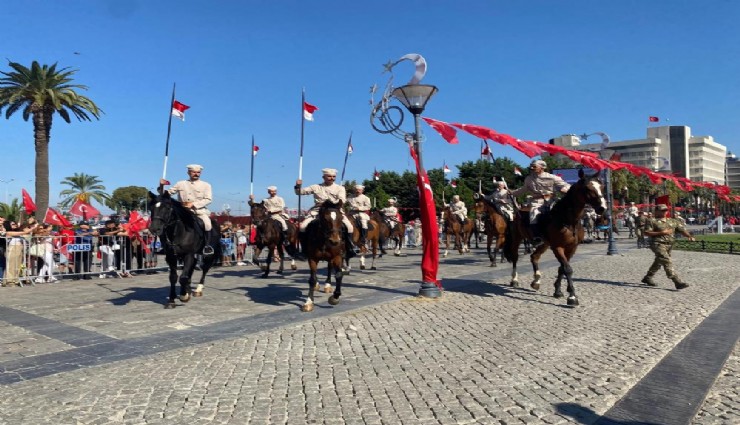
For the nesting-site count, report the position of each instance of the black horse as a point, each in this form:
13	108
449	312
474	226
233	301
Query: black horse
562	229
270	236
324	239
182	238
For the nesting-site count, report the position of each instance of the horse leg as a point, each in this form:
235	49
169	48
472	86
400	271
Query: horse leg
375	254
281	253
188	266
558	291
447	245
535	259
312	283
327	282
172	263
256	257
491	257
337	263
268	261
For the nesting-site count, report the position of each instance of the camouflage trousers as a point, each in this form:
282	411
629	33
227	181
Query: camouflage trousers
662	259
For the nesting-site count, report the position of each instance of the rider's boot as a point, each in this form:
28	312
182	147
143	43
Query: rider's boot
349	247
536	234
363	236
207	247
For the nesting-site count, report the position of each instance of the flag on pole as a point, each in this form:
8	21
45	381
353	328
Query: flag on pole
376	175
84	210
453	183
350	149
255	149
485	151
446	169
429	228
55	217
308	111
653	119
28	202
178	110
517	171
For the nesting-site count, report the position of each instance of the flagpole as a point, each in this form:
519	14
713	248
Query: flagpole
251	173
346	155
169	130
300	159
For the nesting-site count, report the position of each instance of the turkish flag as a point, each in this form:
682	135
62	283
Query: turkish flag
55	217
308	111
178	110
445	130
84	210
429	228
653	119
28	202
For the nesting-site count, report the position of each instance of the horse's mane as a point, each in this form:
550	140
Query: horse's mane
182	213
566	210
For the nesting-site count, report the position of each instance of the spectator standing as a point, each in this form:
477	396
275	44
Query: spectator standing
82	257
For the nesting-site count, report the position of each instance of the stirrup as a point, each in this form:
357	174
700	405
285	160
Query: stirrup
208	250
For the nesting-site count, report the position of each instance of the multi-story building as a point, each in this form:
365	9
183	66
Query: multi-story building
733	171
668	149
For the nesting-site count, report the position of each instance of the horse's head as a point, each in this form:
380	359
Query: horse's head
259	213
590	189
330	222
161	209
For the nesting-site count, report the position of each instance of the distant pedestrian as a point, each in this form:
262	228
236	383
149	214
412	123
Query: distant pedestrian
662	230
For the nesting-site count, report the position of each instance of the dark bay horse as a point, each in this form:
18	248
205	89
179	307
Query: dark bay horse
372	240
270	235
562	231
495	227
455	228
324	240
182	238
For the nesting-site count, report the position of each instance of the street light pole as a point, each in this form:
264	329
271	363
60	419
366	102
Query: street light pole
6	188
605	154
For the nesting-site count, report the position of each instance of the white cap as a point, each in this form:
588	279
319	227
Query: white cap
392	200
195	167
329	172
539	163
359	186
455	196
272	188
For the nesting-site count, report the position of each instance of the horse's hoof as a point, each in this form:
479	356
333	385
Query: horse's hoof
197	294
279	272
535	286
327	290
572	301
294	267
169	306
263	276
307	308
373	268
514	284
185	298
333	300
558	295
362	267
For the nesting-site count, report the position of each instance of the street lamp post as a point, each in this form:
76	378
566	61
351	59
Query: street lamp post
606	154
415	97
6	188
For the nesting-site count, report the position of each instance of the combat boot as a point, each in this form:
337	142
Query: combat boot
648	280
679	284
363	236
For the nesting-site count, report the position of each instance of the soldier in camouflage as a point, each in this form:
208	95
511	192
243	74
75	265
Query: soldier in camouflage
661	230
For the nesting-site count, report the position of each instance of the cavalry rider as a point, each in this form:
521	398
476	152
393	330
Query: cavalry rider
329	190
275	205
391	213
359	207
633	210
194	194
501	198
541	185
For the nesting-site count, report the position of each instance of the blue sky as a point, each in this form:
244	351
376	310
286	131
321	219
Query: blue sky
532	69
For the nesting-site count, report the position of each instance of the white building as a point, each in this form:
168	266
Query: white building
733	171
667	149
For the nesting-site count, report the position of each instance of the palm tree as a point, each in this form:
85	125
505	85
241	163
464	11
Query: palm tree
39	92
11	211
83	187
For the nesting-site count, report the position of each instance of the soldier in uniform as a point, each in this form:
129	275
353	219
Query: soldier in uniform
360	205
640	223
275	205
501	198
542	186
391	212
193	193
661	230
329	190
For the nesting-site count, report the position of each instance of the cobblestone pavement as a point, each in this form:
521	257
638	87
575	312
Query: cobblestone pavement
106	352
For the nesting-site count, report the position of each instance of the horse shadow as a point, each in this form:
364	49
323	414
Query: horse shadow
484	289
618	283
156	295
586	415
274	294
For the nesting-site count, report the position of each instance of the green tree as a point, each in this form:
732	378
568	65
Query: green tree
40	92
128	198
83	187
11	211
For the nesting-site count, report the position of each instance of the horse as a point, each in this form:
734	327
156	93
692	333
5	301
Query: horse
182	238
323	239
270	235
495	227
397	235
589	226
372	238
453	227
385	230
629	221
562	232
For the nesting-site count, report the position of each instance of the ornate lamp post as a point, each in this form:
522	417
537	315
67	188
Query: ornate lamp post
387	119
606	154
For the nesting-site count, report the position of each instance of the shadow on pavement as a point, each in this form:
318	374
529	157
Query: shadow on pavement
586	415
156	295
484	289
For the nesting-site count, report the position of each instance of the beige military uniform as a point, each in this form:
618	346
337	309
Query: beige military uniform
501	198
459	209
322	193
391	213
541	187
199	193
359	206
275	205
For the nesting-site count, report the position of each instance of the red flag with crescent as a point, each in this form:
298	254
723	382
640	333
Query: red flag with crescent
429	228
28	204
84	210
55	217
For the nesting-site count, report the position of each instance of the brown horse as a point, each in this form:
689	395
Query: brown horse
269	235
372	239
324	240
455	228
562	231
495	227
387	230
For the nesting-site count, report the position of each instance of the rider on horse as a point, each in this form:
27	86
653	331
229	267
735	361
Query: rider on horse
501	198
541	185
359	207
458	208
275	205
194	194
329	190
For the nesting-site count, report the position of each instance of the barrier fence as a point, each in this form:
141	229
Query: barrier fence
31	260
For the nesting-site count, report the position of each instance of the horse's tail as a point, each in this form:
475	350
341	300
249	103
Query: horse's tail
510	251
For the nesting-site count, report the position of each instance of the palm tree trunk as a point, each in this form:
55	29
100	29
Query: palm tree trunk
42	129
